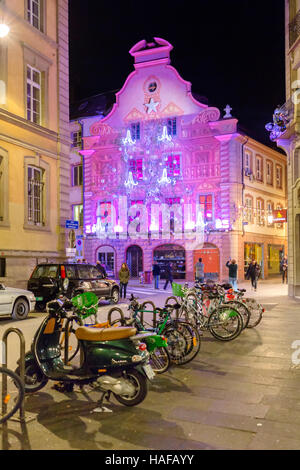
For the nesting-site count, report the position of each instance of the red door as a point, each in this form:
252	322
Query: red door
211	259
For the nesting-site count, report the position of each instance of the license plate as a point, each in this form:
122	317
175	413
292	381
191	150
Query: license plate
149	371
39	298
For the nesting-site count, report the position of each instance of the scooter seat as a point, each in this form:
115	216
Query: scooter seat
104	334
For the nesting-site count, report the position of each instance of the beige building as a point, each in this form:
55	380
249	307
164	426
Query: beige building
288	139
264	193
34	136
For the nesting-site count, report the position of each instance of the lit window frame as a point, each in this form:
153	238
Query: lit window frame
35	196
32	85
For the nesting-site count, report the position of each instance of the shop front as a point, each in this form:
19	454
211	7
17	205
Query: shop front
254	251
173	254
275	255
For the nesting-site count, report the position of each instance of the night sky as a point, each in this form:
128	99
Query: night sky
232	51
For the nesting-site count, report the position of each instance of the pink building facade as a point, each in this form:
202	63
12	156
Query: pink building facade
164	179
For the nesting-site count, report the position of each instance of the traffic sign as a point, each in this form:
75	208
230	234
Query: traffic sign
74	224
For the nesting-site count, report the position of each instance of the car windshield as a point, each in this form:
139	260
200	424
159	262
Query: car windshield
45	271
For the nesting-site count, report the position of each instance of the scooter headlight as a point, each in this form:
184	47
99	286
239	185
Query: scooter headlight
65	284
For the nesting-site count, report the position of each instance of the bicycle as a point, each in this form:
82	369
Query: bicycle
13	392
182	337
222	320
256	309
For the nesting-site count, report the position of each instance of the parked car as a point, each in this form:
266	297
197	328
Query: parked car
16	302
48	280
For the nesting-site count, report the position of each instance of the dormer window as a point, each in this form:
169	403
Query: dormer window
172	126
135	130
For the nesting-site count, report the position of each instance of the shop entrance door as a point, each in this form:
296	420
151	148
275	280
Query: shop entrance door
211	259
134	260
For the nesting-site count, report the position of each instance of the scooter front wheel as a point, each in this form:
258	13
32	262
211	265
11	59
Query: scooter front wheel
140	384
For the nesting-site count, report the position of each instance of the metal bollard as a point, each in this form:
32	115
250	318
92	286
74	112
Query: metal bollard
22	363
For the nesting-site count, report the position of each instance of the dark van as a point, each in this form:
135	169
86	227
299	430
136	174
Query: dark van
49	280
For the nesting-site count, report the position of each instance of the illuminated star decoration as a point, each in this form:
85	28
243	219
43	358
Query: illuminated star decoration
151	106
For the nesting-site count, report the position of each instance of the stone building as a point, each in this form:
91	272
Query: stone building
162	166
34	136
285	130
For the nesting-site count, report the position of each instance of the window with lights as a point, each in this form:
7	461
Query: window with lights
173	165
206	206
136	168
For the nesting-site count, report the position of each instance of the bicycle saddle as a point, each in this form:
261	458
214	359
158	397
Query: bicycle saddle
175	306
242	290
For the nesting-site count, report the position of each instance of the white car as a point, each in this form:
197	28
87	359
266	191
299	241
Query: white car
16	302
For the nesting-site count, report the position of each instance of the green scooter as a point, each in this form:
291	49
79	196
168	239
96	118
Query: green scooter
114	360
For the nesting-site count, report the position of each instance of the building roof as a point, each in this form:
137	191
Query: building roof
100	104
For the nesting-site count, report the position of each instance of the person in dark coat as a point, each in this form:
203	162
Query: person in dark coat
156	274
284	269
169	275
253	273
233	267
101	269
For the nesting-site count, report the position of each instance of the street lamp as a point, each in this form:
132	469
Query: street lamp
4	30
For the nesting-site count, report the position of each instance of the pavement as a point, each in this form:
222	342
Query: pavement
239	395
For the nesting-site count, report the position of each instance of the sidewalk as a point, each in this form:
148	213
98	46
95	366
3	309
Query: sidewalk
243	394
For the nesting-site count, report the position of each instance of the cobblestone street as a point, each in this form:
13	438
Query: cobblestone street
242	394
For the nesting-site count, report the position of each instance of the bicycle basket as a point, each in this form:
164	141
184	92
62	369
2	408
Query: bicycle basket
86	303
177	290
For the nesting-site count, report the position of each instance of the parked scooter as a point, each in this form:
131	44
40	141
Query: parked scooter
114	360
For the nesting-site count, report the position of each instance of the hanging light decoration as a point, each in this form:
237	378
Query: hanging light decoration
130	183
165	137
128	139
164	179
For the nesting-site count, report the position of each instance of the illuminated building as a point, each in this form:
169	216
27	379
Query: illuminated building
161	166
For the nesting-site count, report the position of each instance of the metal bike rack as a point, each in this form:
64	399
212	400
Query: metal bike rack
22	418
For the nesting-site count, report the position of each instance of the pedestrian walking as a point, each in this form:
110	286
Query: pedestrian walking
156	275
199	274
233	267
253	273
101	269
169	275
284	269
124	276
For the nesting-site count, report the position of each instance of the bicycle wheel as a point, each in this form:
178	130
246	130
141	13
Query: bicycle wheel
225	323
242	309
256	312
183	341
160	360
73	344
12	394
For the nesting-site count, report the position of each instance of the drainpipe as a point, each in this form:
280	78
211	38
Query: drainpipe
243	178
